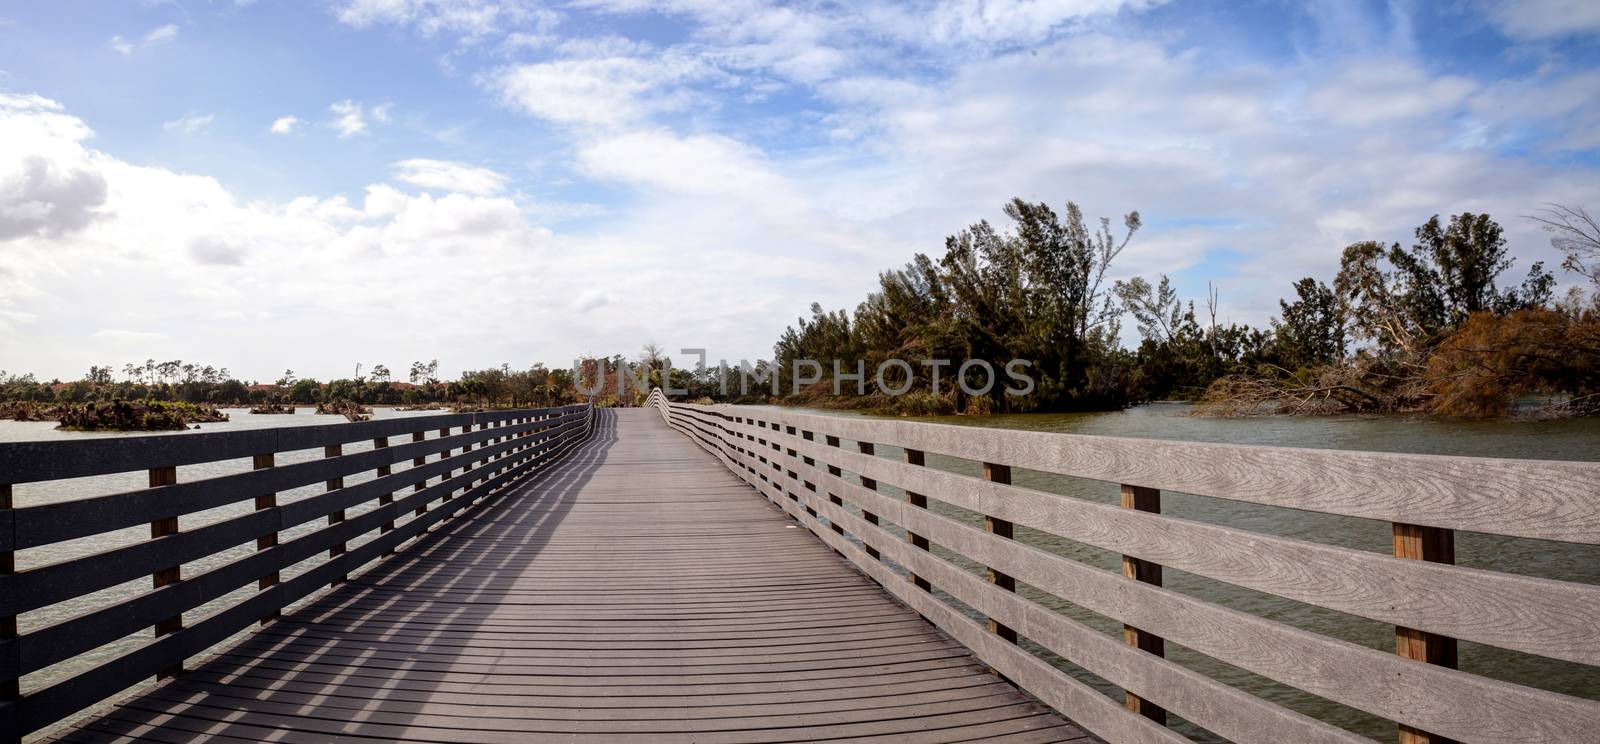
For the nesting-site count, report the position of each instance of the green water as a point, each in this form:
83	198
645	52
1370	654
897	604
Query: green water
1572	439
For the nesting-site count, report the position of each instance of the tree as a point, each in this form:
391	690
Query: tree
1481	369
306	391
1157	309
288	379
1406	301
1577	236
380	373
425	373
1311	330
1468	255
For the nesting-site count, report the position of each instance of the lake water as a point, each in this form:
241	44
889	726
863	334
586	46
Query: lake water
1573	439
1567	439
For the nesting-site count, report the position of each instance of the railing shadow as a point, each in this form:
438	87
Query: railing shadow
369	656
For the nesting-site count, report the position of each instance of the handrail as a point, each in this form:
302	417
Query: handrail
802	462
469	458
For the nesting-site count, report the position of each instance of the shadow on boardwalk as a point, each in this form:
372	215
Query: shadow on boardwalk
375	649
637	592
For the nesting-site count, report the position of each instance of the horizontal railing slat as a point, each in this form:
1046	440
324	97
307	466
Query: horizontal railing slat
1452	703
66	520
1430	697
67	638
1545	499
35	588
47	585
506	455
1090	709
1533	615
1227	711
26	462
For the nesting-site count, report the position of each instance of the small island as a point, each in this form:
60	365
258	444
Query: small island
140	415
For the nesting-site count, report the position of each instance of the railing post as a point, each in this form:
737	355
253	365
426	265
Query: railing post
1146	500
473	464
1437	545
997	473
916	457
269	540
337	516
386	498
417	462
866	448
834	471
809	436
445	432
166	576
9	689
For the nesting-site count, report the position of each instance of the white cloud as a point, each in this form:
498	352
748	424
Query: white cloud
161	34
189	124
895	126
608	91
443	175
1532	20
285	125
349	118
50	185
469	19
88	236
158	35
698	164
590	299
1383	90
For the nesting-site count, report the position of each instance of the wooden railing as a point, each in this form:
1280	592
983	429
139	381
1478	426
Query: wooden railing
804	463
243	566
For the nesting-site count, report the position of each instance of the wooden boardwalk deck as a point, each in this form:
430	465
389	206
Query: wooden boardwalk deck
637	592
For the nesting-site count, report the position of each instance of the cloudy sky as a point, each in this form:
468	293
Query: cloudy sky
272	184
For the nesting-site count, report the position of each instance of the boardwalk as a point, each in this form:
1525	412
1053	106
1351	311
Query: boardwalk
637	592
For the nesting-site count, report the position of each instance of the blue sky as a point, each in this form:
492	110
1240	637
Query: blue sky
261	184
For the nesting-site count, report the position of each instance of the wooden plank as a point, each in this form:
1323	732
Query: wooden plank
267	503
1237	715
1062	692
337	515
9	665
646	636
1539	616
1523	498
167	575
1002	528
84	632
1465	707
916	458
28	462
419	436
387	497
1137	569
1419	543
865	448
48	523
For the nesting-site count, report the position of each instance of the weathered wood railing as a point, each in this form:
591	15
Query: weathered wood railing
801	462
472	456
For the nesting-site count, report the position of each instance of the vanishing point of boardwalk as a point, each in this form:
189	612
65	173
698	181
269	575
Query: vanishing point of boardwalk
636	591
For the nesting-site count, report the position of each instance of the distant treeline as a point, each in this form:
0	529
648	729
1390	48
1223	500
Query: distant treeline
1432	327
176	381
